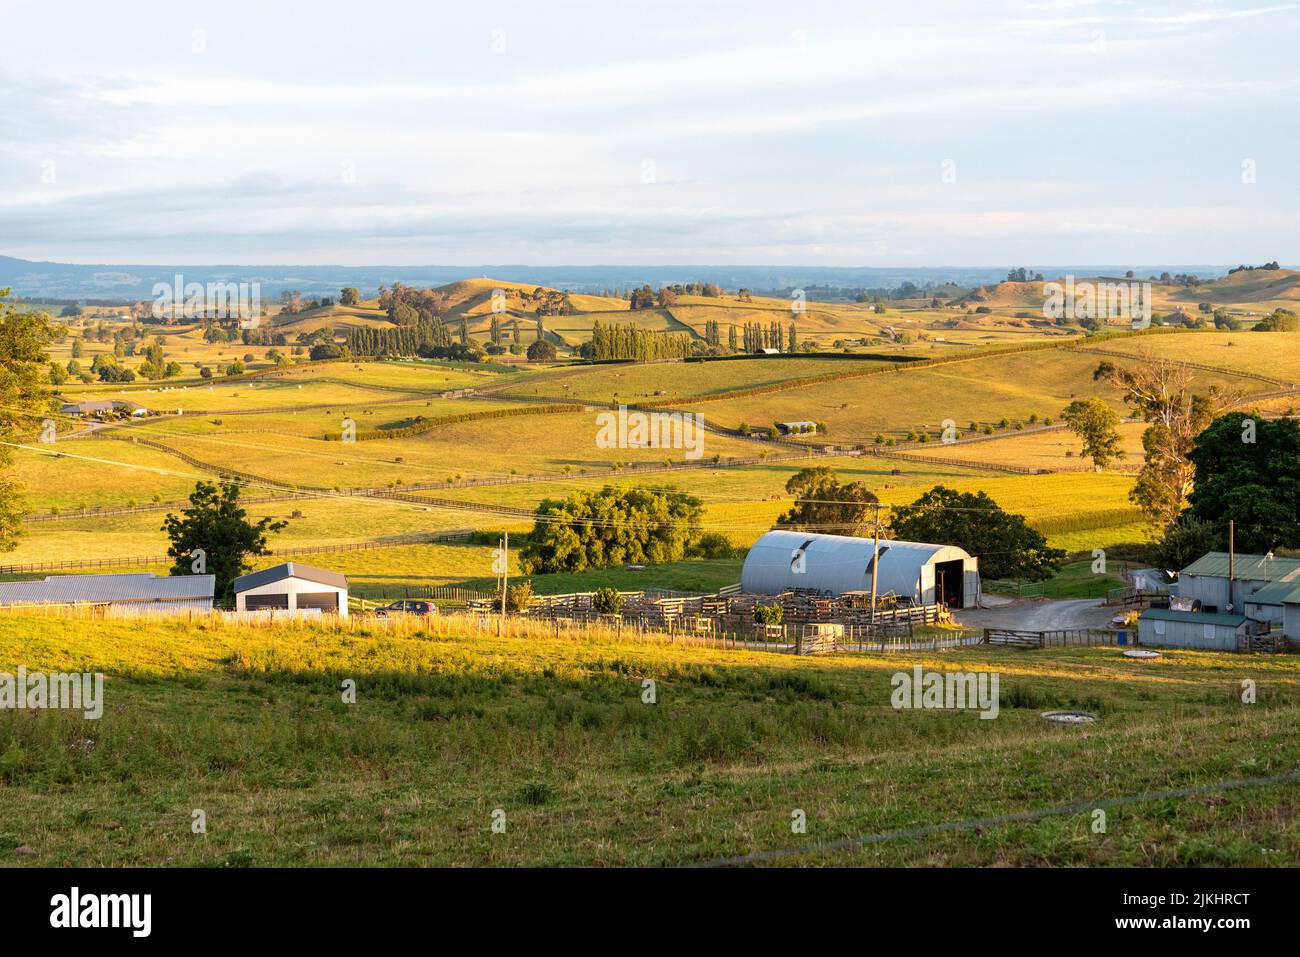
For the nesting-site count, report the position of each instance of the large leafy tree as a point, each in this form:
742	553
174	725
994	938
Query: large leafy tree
1159	391
822	504
214	535
24	401
1097	424
1005	544
612	527
1248	470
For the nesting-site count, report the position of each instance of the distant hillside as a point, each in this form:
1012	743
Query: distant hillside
135	282
1250	285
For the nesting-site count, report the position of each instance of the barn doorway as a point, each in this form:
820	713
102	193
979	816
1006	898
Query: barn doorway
950	583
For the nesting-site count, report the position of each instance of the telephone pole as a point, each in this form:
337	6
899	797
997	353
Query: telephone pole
505	570
875	557
1232	559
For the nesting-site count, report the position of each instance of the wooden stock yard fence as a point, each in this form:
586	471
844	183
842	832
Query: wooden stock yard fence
1070	637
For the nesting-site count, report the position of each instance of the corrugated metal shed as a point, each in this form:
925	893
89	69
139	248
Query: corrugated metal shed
782	560
1194	617
68	589
1276	593
290	570
1248	567
1185	629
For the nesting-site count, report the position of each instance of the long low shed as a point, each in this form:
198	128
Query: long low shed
835	564
137	591
1191	629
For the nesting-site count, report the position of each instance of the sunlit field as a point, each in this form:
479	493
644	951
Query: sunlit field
452	723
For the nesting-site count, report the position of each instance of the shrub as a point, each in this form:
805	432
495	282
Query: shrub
607	601
769	614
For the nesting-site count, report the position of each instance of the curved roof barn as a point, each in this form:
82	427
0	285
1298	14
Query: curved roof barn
835	564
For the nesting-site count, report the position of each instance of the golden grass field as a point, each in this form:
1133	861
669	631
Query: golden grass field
274	428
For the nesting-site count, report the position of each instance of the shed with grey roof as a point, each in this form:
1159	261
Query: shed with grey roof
140	592
292	587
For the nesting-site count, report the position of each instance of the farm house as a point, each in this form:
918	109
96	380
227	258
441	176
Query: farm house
292	587
835	564
143	592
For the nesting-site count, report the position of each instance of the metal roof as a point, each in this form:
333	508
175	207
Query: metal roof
1256	567
1193	617
838	563
65	589
285	570
1284	592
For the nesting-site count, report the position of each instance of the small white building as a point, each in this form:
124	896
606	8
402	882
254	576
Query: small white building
293	588
1192	629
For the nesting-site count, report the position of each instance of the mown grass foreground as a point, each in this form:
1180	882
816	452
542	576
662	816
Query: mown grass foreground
249	725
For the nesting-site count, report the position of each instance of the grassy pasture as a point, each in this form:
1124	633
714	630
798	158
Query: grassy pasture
636	383
1054	449
450	725
984	390
1273	354
526	445
238	397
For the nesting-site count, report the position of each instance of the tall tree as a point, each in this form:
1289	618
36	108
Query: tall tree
214	535
822	504
1248	470
1159	390
24	401
1097	424
1005	544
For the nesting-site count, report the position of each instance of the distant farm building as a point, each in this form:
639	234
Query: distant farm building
1206	580
292	587
103	407
788	428
836	564
1191	629
151	593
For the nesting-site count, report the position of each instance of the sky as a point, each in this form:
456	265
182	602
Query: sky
655	132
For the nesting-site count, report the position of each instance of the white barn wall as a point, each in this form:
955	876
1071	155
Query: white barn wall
293	587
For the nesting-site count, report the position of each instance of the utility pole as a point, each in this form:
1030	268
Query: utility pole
1232	559
505	570
875	557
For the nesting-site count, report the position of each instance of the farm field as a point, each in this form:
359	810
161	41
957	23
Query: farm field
452	723
1271	354
662	381
1054	449
982	390
274	428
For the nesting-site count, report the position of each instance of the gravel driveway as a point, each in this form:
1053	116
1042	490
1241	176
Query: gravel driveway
1039	615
